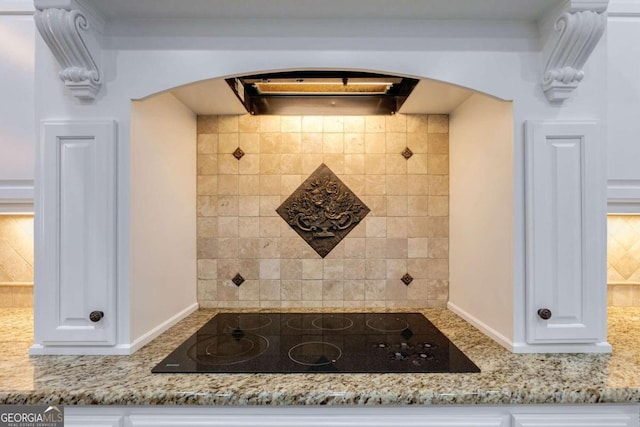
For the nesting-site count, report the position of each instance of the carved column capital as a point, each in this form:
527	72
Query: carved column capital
62	28
575	32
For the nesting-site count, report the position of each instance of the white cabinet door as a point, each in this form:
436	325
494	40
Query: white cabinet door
314	420
565	191
574	420
75	234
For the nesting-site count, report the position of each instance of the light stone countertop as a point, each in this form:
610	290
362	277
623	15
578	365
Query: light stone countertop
506	378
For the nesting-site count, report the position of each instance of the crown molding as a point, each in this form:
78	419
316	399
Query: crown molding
571	33
16	7
64	25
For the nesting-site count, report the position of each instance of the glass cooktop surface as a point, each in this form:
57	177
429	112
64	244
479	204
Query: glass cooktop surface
317	342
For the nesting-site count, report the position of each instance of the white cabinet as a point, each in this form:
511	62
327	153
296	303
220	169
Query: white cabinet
314	420
601	415
574	420
75	235
623	105
565	234
17	129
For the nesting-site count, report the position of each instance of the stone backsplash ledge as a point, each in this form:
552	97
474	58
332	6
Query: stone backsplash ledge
240	232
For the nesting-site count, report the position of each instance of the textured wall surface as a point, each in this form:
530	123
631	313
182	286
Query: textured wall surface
623	260
16	261
406	231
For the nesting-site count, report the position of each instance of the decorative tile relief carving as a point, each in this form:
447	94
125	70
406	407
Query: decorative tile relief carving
323	210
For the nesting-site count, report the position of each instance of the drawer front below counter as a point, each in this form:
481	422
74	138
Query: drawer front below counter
361	416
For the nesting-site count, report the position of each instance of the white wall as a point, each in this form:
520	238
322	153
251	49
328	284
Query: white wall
163	212
481	243
17	116
623	104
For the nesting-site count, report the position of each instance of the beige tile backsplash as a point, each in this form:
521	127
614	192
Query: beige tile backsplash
407	229
16	261
623	260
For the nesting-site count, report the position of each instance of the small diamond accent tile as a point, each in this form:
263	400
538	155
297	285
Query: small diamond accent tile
238	279
322	210
238	153
407	279
407	153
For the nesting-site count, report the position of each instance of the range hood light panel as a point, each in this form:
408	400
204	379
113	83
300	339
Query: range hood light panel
322	92
322	87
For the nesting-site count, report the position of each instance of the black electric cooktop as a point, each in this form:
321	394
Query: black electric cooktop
316	342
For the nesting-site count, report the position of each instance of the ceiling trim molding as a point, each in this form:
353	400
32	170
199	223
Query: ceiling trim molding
64	26
572	33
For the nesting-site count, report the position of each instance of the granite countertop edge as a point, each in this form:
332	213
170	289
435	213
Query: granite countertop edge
375	398
505	378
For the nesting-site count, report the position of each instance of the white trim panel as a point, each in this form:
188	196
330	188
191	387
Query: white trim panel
623	196
328	420
93	421
16	7
565	192
624	8
548	415
76	233
16	196
573	420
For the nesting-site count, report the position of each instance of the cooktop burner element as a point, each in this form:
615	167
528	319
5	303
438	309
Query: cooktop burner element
385	323
227	349
249	322
315	353
317	342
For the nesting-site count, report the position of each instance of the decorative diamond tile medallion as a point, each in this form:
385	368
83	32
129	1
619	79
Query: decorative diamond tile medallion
323	210
407	153
238	279
238	153
407	279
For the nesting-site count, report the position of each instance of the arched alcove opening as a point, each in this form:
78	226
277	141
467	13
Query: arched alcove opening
443	215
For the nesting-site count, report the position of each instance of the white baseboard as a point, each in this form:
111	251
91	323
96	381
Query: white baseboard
140	342
483	327
597	347
117	350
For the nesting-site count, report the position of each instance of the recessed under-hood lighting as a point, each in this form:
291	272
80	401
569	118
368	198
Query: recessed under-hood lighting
328	86
322	92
